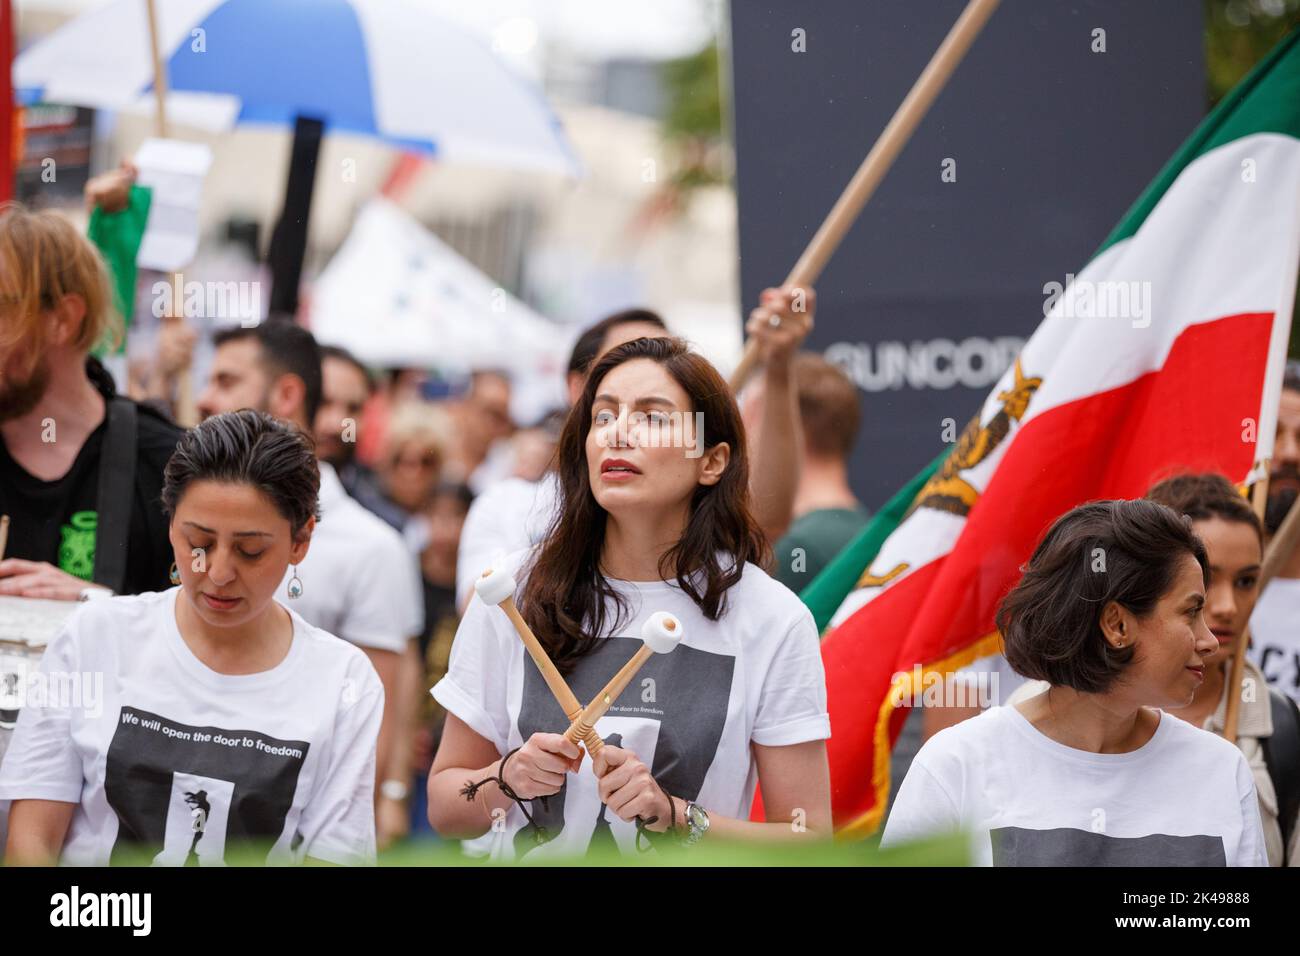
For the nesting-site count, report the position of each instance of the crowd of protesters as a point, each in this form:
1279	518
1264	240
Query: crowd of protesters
321	499
376	549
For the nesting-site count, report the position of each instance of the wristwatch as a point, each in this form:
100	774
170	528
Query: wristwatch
697	823
394	790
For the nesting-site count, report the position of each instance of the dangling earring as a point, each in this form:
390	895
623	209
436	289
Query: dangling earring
174	575
295	585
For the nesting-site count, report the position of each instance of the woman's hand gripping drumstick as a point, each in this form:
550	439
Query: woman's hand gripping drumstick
498	587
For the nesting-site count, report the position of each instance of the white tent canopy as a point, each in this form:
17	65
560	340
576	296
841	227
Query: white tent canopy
396	296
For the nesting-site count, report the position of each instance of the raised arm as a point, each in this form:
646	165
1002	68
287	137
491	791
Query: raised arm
778	441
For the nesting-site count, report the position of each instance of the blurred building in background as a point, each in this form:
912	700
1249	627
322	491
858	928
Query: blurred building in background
641	90
625	234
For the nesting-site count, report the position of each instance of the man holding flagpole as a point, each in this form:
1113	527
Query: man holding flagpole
1275	625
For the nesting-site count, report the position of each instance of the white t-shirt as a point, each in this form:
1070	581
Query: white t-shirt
753	676
359	580
149	742
1184	798
1275	635
987	681
510	516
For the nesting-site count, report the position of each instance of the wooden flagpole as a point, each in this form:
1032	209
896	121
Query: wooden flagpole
186	412
877	162
1281	547
159	73
1259	500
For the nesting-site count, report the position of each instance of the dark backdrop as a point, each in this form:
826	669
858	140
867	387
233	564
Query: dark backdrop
1052	142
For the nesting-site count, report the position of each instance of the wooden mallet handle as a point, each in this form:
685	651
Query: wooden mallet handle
559	688
567	700
586	722
661	634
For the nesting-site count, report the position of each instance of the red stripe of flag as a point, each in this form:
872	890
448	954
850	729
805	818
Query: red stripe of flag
1189	415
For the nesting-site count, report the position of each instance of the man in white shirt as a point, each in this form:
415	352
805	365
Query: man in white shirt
358	580
1275	625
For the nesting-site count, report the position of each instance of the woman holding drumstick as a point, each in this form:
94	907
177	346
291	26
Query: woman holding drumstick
654	516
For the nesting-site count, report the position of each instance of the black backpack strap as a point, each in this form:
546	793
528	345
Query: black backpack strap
115	494
1282	757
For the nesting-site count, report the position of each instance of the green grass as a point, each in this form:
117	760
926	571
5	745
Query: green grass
940	851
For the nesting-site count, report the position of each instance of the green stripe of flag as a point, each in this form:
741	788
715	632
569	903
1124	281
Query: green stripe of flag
1263	102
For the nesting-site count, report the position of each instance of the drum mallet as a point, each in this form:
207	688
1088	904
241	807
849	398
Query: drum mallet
661	633
498	587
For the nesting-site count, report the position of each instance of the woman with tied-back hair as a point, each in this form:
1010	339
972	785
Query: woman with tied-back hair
1095	771
214	697
654	516
1268	729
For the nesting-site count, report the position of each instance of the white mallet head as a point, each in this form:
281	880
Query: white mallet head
495	586
661	632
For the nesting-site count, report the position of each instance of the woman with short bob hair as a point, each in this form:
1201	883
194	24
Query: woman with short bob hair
654	516
224	717
1093	772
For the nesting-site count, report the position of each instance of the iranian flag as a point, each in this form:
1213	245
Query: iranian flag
1163	354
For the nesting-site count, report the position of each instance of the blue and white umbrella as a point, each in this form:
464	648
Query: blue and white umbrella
388	69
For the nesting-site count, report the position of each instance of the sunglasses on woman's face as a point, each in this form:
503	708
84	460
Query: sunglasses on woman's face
427	461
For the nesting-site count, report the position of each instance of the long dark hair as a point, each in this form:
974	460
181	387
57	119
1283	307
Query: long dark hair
566	600
1205	496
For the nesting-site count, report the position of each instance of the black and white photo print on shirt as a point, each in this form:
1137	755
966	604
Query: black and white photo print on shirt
1067	846
671	716
195	834
187	792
